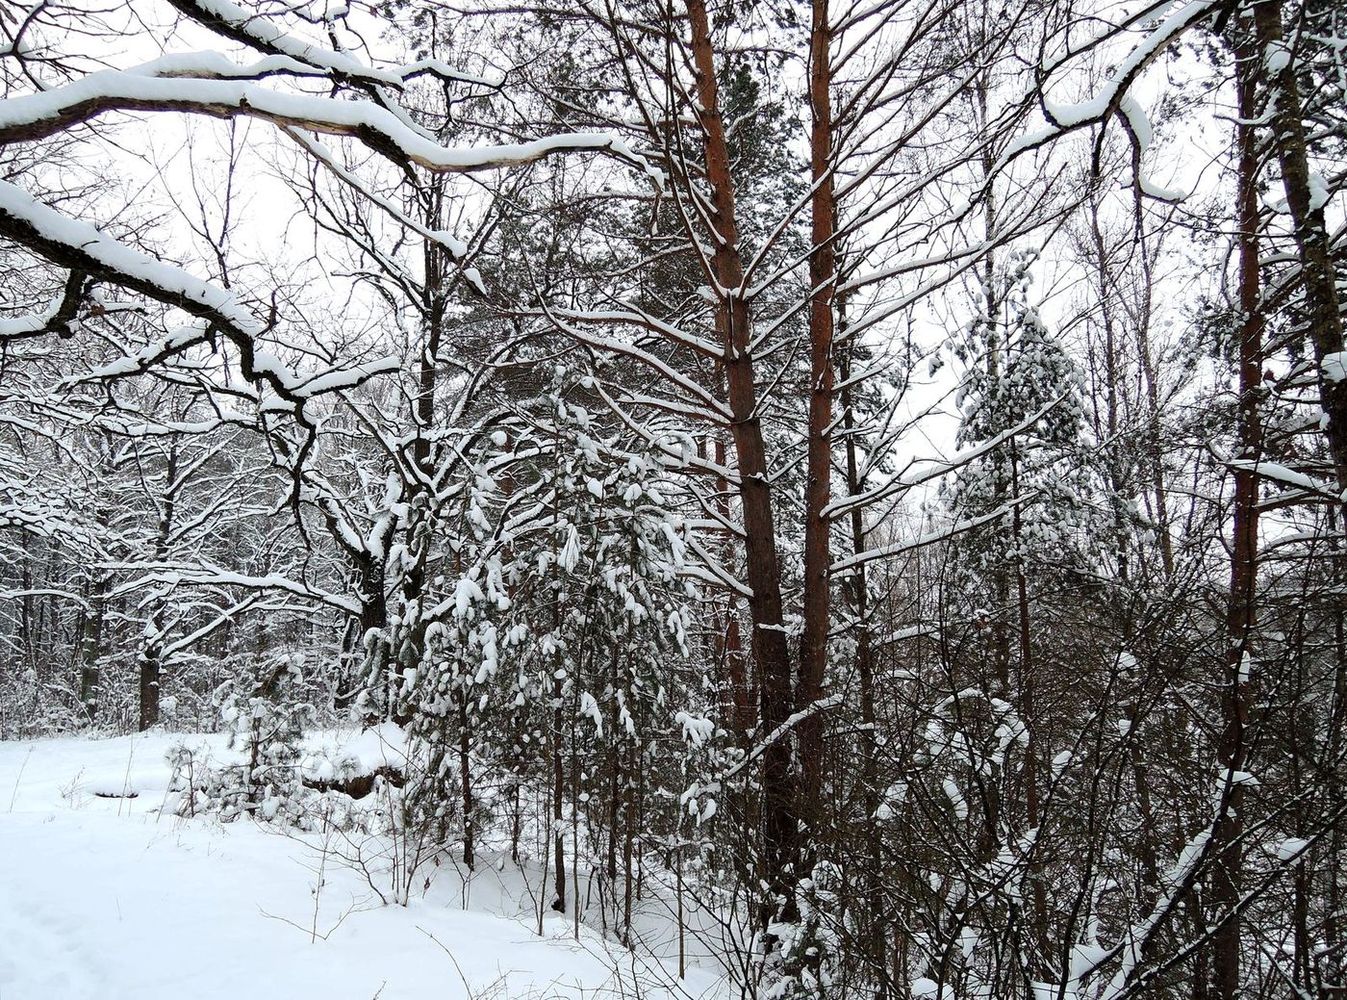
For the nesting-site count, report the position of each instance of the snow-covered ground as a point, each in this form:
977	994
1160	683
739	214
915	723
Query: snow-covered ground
105	899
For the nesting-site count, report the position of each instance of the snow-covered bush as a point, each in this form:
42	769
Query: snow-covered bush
265	711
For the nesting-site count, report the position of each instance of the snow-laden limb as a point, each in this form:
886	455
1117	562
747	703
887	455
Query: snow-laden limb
1334	367
55	318
903	634
87	250
263	34
929	538
295	389
64	595
458	250
679	381
174	342
1110	96
1132	948
710	570
208	65
639	318
208	574
1113	97
1281	474
28	510
222	619
1133	944
827	704
931	470
683	458
32	117
674	406
341	378
81	246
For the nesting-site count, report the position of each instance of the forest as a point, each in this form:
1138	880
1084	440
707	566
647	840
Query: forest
856	486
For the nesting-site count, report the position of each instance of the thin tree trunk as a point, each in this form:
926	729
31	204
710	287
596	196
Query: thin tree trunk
873	928
92	647
628	843
1335	910
26	609
151	665
1240	613
558	796
1155	427
1028	712
465	785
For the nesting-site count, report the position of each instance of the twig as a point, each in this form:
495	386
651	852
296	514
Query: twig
13	796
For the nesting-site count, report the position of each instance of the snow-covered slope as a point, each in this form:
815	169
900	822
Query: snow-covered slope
104	899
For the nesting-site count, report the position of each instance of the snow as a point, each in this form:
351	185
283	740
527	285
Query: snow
370	751
1114	95
956	799
1319	192
1133	941
268	36
216	93
1290	849
113	901
695	730
1229	777
1279	473
1085	958
15	327
57	228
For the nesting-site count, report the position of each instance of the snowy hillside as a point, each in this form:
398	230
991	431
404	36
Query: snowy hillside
105	899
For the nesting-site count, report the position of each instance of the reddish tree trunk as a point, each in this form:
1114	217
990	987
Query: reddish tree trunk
818	488
770	650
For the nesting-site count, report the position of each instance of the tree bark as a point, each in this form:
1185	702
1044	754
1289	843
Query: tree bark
733	323
873	930
92	647
1317	272
818	487
151	665
1240	612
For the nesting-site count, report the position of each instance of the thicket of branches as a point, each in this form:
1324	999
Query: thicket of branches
802	447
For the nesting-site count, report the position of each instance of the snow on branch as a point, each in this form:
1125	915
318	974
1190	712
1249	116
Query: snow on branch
930	538
82	247
229	20
935	469
85	249
1283	476
89	251
210	575
780	732
1114	97
55	318
201	91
